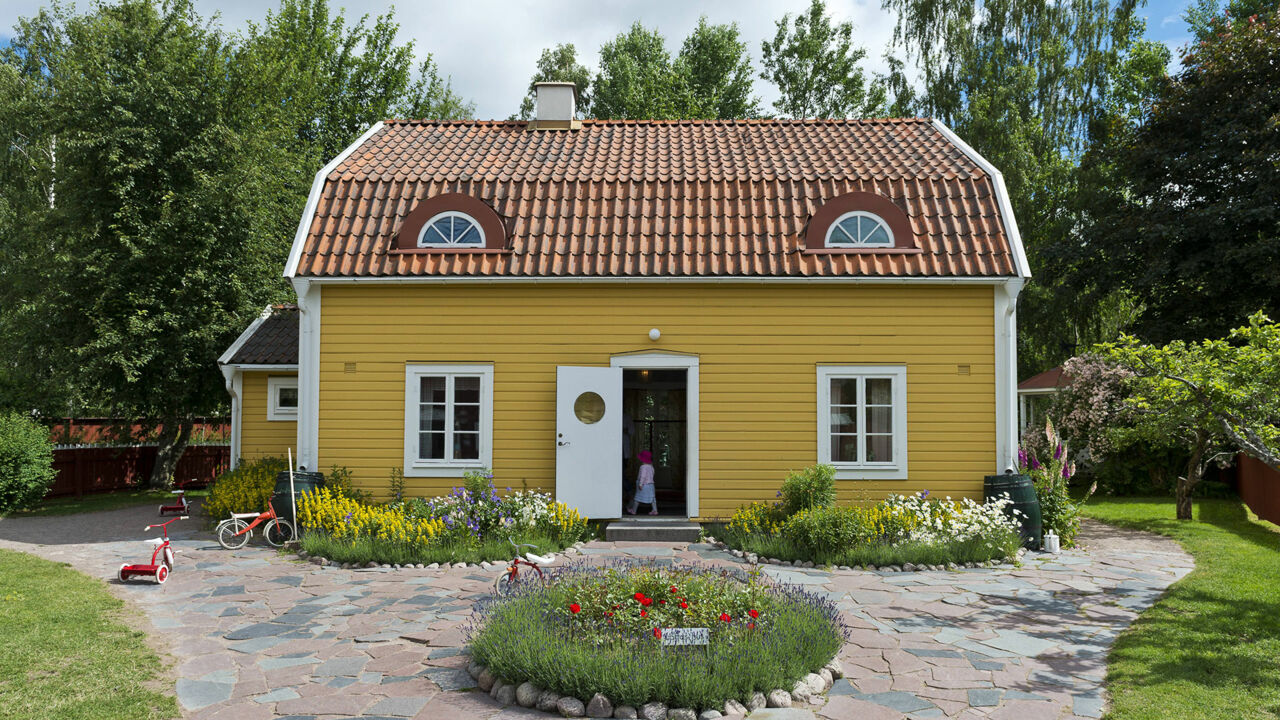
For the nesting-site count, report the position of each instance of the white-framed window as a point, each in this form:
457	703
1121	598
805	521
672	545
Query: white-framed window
859	229
451	229
282	398
862	420
448	419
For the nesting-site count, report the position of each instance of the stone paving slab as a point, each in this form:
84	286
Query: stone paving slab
257	635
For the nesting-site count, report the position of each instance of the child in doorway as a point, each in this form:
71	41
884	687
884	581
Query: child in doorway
644	485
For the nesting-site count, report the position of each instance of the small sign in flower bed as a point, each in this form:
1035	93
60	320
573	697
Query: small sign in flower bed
622	638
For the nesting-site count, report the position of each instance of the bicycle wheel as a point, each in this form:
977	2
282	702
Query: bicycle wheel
162	574
505	584
168	558
278	532
228	534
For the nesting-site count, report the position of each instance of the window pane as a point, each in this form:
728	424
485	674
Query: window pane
880	420
844	233
470	236
432	390
878	236
466	389
431	418
844	420
844	391
431	446
288	397
844	448
466	418
437	233
879	391
879	448
466	446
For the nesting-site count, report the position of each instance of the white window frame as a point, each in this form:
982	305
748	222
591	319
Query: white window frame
450	214
417	467
275	411
855	214
863	470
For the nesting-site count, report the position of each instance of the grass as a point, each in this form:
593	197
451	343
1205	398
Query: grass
775	546
67	655
364	550
97	502
608	647
1209	648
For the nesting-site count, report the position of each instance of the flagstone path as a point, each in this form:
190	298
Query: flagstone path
257	635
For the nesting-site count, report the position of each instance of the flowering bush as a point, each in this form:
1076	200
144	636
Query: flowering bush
245	489
757	517
344	518
1051	476
600	630
477	512
813	487
944	521
831	530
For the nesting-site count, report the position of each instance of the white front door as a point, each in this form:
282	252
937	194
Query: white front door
589	440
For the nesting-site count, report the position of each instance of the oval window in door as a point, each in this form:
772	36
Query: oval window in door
588	408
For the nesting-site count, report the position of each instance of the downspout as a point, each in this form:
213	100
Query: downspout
1006	366
232	377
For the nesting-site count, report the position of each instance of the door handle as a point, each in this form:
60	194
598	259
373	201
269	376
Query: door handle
562	443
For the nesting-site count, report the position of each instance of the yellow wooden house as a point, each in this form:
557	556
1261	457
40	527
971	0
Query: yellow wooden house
741	298
261	370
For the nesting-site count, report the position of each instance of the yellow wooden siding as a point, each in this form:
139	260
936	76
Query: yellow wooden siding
758	349
260	437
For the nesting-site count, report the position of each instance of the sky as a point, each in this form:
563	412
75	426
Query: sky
489	48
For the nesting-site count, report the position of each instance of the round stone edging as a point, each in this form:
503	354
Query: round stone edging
752	559
528	695
484	564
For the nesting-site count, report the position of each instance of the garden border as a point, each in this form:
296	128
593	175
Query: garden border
751	558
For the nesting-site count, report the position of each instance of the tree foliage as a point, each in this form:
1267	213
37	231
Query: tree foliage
818	70
714	70
559	64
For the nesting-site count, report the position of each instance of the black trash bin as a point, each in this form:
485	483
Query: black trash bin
1022	492
303	481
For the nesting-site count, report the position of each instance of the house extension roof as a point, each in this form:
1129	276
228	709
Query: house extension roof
1046	381
682	199
272	339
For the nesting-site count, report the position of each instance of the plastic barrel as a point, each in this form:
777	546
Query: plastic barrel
302	482
1022	492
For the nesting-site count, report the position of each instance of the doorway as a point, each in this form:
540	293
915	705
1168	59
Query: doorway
655	418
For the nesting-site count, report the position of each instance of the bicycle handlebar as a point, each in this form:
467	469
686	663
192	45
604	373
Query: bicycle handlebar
517	547
165	525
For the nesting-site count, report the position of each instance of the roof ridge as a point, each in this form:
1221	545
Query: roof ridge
691	121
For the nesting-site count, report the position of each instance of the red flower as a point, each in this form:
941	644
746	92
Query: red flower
638	596
646	602
754	613
751	626
609	614
674	589
657	632
644	613
725	617
684	606
662	602
575	608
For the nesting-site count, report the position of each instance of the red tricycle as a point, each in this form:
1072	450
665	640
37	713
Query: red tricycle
179	507
157	571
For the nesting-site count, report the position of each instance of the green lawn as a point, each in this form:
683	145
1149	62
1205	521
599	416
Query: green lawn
66	653
105	501
1210	648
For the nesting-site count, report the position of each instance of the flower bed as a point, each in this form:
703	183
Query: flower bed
598	631
806	526
471	524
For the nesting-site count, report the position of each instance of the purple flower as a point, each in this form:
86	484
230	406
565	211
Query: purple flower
924	494
1066	472
1035	464
1057	452
1022	457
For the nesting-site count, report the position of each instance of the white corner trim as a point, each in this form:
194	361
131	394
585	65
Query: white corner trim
1002	197
659	360
313	199
1006	367
309	295
895	470
234	378
225	358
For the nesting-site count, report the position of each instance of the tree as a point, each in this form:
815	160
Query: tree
1034	87
818	70
635	80
559	64
1195	230
714	72
432	97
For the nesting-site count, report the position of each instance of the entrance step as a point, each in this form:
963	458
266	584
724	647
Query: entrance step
653	529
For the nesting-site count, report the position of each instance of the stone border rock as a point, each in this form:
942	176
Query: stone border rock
751	558
528	695
573	549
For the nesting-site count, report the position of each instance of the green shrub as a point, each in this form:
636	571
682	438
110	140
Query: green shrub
593	631
813	487
26	462
245	489
341	482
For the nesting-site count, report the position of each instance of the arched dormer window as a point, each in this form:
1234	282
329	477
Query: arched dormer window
451	229
859	229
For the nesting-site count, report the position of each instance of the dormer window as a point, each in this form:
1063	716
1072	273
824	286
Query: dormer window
859	229
451	229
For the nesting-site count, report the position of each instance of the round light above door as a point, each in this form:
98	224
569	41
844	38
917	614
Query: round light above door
588	408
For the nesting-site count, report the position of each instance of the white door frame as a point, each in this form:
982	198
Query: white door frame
650	360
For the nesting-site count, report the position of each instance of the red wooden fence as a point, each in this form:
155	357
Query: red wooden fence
99	469
1259	487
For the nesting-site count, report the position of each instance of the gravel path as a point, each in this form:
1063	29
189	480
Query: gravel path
257	635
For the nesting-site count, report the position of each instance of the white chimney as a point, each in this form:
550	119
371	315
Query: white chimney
555	104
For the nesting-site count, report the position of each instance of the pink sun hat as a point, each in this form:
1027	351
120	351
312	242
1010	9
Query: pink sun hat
645	457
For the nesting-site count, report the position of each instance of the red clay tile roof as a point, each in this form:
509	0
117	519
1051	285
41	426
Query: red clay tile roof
274	341
1048	380
658	198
